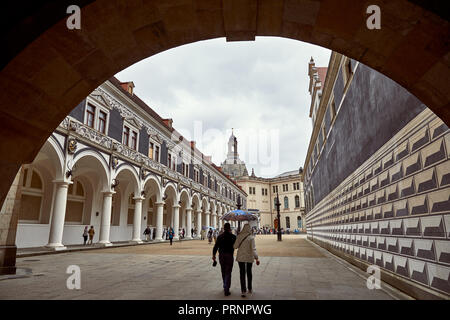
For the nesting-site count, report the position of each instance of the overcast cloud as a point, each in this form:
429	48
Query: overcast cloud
259	88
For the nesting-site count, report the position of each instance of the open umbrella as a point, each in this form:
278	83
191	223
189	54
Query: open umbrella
239	215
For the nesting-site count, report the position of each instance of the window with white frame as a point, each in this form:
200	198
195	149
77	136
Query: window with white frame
96	117
130	136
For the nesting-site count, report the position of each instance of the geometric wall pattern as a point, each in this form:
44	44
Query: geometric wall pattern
394	210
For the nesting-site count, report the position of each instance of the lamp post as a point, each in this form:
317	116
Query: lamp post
239	205
278	204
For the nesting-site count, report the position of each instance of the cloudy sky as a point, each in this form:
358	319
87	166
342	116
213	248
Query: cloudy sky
259	88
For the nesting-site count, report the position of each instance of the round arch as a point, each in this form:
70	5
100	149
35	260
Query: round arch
170	191
152	183
130	171
89	161
78	61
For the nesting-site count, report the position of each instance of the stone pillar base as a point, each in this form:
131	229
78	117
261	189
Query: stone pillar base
104	244
176	238
188	238
137	241
8	259
56	247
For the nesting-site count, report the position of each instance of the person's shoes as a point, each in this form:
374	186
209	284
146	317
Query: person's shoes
243	294
250	292
227	292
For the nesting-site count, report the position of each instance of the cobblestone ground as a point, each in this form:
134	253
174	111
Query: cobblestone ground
292	269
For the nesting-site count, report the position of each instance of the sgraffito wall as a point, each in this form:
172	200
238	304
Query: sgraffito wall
389	205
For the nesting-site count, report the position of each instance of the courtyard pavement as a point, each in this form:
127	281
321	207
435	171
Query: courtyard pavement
292	269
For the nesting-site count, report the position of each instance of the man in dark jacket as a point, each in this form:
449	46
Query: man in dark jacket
225	244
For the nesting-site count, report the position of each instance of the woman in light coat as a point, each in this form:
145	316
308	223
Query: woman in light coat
245	243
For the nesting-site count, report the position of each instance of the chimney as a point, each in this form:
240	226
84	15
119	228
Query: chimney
192	145
128	86
168	122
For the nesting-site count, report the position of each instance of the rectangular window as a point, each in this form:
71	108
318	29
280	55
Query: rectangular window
157	153
133	140
126	135
102	122
90	115
169	160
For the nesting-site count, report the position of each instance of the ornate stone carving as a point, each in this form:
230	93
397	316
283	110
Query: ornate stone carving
114	162
72	146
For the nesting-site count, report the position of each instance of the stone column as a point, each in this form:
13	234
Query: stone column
199	223
188	223
214	220
220	223
159	220
105	226
58	216
183	219
137	220
9	216
176	221
207	213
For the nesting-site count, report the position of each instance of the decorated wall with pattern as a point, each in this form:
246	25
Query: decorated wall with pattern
394	210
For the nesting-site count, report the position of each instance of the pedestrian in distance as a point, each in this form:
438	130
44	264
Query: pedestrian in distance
85	235
202	234
245	243
91	233
147	232
224	245
210	236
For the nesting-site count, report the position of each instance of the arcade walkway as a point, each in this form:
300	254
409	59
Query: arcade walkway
292	269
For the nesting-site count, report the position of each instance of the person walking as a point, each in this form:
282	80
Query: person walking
147	233
245	243
210	236
202	234
224	245
170	235
91	233
85	235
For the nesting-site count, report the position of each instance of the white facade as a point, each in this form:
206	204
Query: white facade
83	176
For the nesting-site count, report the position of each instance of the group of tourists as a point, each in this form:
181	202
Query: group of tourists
88	233
245	244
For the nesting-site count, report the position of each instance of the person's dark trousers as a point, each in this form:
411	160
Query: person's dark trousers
243	267
170	241
226	264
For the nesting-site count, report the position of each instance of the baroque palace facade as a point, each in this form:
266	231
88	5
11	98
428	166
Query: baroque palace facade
377	190
117	165
262	196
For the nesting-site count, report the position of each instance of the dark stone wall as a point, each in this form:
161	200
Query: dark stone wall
78	111
164	153
191	171
143	142
375	109
115	125
338	89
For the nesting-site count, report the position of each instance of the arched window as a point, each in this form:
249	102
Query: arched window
286	203
299	222
297	201
75	203
288	222
32	194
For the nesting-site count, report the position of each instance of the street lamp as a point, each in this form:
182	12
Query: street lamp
239	205
278	204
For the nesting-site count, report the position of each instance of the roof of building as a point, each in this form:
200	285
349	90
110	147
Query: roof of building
287	173
322	71
165	123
